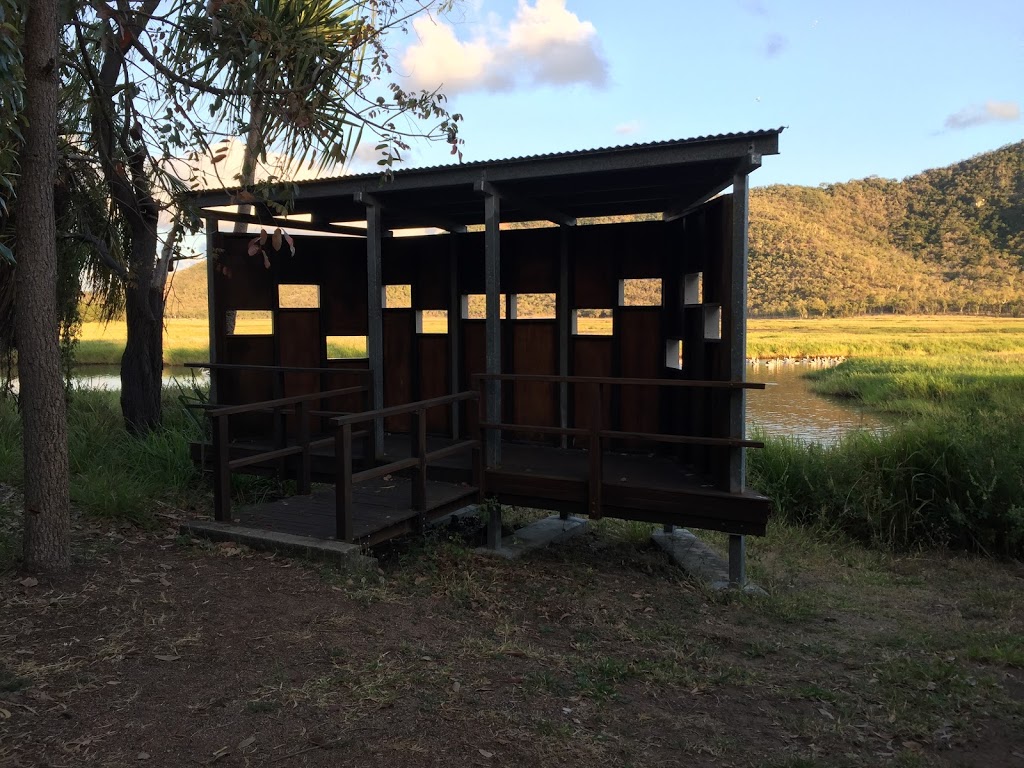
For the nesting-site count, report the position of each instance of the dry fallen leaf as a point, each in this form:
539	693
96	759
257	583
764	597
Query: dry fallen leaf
486	754
29	582
246	743
168	658
142	756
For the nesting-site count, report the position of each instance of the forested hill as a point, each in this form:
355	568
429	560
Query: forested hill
946	240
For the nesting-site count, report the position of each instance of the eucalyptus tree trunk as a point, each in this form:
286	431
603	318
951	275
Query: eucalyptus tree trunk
43	409
124	164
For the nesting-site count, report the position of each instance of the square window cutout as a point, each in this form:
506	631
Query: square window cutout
592	322
712	322
640	292
346	347
398	296
298	296
253	322
432	321
474	306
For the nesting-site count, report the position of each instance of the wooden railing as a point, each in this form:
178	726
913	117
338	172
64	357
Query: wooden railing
595	433
419	456
298	406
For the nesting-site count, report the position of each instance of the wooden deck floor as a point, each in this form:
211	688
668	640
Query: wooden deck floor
381	510
633	486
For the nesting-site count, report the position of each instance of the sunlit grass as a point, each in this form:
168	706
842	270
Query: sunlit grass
875	336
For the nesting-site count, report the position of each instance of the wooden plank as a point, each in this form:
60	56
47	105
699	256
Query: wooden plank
592	357
640	349
343	293
434	366
534	351
344	529
399	360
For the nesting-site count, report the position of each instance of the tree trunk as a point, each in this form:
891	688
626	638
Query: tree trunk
142	362
43	409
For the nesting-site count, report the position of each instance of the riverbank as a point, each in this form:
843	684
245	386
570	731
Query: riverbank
769	342
949	472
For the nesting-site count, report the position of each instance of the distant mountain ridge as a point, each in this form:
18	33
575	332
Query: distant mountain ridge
945	240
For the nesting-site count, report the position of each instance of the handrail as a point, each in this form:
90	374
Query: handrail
654	437
301	412
276	368
265	405
400	410
684	383
595	432
345	479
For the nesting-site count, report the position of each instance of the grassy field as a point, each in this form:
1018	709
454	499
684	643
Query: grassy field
876	336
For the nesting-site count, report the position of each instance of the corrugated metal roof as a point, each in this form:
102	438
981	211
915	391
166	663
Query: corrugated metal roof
547	156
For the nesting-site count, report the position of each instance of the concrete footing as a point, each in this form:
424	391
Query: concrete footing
338	553
537	535
699	560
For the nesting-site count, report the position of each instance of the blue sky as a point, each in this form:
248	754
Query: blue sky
865	88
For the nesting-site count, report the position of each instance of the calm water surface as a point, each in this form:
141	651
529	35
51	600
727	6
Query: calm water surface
786	407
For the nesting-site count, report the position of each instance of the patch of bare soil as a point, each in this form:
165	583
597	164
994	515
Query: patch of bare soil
161	651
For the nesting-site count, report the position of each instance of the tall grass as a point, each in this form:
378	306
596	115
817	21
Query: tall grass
949	473
115	474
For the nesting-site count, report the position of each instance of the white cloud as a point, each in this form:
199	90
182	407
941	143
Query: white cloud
624	129
545	44
978	114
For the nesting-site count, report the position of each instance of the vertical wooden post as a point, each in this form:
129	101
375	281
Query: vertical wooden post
213	312
596	465
492	279
280	421
343	483
305	478
563	311
738	358
419	451
454	333
737	321
222	472
375	322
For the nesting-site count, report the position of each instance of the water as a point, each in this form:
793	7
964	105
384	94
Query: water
786	407
109	376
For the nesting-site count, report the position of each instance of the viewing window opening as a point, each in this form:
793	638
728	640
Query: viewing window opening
640	292
592	322
253	322
674	354
474	306
712	322
298	296
534	306
693	288
432	321
346	347
398	296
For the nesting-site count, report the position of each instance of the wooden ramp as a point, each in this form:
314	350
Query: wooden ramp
380	510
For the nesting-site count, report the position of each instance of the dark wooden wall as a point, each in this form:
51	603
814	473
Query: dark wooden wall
441	269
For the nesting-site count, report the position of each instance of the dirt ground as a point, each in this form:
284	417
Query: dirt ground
164	651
